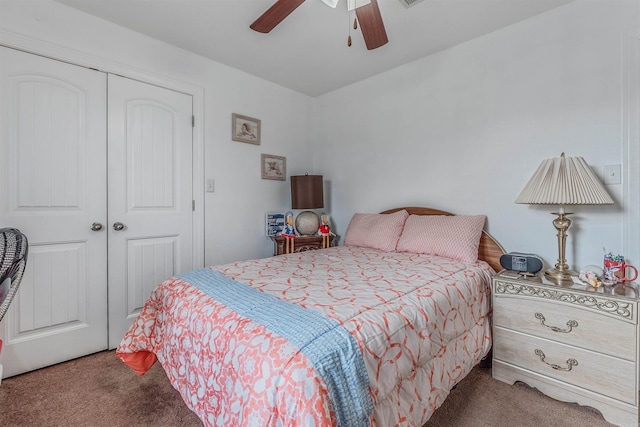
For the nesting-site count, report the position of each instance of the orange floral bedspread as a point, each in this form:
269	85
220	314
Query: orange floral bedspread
421	322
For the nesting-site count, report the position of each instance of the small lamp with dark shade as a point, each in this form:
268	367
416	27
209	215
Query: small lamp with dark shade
307	193
563	181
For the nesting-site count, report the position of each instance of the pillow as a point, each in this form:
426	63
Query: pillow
377	231
456	237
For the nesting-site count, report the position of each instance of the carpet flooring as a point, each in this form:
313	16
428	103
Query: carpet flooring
99	390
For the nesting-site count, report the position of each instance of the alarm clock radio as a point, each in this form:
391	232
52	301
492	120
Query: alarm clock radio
517	261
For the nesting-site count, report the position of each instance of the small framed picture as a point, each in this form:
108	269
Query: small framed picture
274	167
275	222
245	129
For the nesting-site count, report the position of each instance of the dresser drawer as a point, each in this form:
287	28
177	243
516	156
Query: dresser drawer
601	374
571	325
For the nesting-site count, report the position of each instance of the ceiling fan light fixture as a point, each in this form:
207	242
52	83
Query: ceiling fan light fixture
409	3
354	4
331	3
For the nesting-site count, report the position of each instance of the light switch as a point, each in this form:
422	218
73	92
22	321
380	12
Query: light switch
612	174
210	185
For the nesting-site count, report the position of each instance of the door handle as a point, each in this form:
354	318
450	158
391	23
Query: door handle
96	226
118	226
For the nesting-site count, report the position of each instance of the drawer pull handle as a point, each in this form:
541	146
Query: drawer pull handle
571	324
570	362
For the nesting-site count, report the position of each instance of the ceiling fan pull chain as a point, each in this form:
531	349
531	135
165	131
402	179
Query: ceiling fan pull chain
348	18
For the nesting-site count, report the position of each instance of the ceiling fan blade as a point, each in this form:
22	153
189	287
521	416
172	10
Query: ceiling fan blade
371	25
274	15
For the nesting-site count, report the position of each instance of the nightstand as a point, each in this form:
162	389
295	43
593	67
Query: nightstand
302	243
574	343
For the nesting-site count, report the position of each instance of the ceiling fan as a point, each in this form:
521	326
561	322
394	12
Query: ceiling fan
367	12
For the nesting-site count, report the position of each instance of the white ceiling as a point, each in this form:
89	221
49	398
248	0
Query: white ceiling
308	51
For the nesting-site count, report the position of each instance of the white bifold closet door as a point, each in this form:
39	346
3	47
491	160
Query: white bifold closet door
96	170
53	166
150	194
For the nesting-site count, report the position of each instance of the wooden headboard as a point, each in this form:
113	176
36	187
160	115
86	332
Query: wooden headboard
489	250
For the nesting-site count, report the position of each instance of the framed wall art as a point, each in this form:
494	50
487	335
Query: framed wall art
245	129
274	167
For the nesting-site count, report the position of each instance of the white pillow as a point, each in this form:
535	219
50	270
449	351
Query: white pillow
377	231
456	237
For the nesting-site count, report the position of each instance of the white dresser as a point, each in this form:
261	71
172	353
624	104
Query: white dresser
574	343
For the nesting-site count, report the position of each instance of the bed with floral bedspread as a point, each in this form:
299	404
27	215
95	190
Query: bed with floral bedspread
344	336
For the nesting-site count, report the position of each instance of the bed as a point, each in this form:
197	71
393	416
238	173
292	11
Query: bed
374	332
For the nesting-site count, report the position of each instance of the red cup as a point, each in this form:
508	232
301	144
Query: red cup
617	271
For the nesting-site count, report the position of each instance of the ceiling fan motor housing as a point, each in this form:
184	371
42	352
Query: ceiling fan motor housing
409	3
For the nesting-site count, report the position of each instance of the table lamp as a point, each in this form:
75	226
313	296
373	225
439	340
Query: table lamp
563	181
307	193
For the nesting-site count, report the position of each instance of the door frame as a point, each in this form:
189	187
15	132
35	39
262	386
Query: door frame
631	145
61	53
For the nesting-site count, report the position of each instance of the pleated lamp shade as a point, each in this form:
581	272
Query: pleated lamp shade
564	181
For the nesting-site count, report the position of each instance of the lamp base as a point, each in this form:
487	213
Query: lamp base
560	277
307	223
561	274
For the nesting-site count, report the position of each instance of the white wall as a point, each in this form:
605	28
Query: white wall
463	130
234	213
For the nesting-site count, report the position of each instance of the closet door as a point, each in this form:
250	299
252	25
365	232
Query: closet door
52	187
150	194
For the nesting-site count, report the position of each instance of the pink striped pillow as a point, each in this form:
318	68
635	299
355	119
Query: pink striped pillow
377	231
456	237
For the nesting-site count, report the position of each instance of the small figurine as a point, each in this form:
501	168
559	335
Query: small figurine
592	275
325	231
289	233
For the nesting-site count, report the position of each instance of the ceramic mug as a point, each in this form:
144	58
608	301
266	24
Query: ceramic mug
616	270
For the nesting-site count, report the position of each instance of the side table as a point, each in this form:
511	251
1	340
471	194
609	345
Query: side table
302	243
574	343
